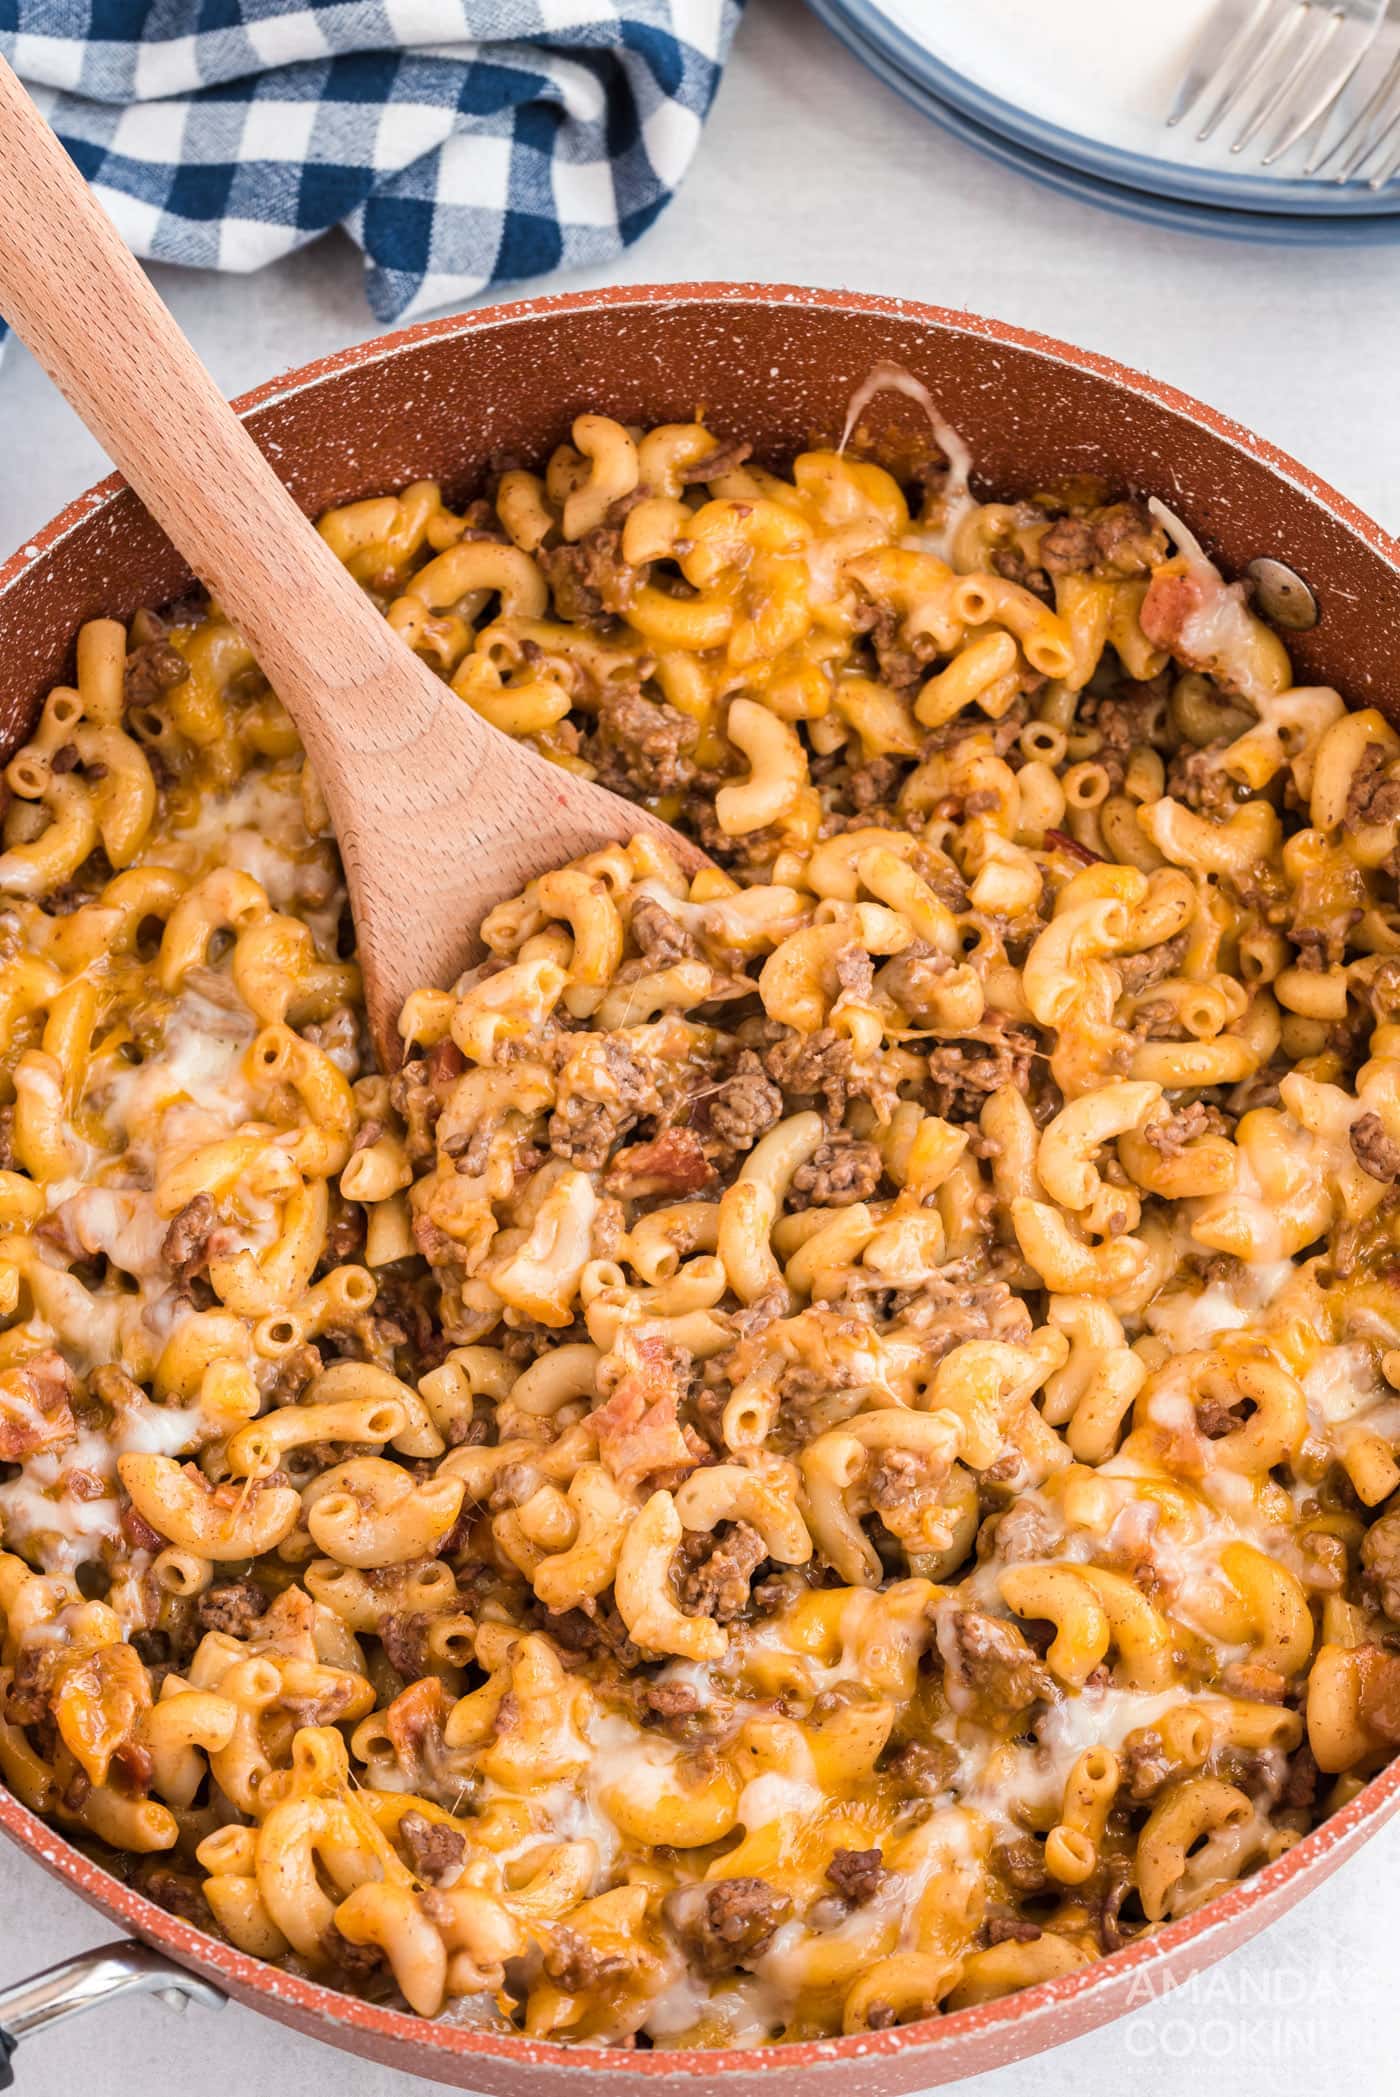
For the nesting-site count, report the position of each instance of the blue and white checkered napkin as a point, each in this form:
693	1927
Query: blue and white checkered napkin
461	143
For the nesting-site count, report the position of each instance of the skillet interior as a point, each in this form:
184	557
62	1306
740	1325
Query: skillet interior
777	365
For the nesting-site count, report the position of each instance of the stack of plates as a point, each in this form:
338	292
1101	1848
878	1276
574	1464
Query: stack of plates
1064	92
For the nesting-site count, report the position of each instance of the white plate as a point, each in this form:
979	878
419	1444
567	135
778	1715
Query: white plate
1150	206
1066	78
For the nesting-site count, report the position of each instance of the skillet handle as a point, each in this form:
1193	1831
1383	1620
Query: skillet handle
86	1983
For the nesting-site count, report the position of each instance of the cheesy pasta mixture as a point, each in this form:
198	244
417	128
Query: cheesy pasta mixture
826	1448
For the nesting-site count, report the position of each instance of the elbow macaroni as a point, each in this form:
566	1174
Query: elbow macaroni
823	1394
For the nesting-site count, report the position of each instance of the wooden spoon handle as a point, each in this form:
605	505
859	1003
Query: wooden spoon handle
67	282
437	814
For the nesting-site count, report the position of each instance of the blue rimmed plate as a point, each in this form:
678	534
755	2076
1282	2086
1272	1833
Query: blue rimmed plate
1058	84
1353	229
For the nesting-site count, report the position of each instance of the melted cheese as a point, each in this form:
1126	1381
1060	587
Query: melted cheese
956	499
43	1515
193	1090
1220	634
1341	1383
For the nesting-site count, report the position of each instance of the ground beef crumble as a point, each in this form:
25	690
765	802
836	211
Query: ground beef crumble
575	1964
1004	1928
1114	543
1375	1152
236	1607
185	1247
153	668
840	1171
728	1922
403	1635
990	1659
857	1874
178	1892
812	1065
661	940
718	1570
745	1106
589	577
1374	795
964	1073
435	1851
642	746
952	1306
728	455
1139	972
1171	1135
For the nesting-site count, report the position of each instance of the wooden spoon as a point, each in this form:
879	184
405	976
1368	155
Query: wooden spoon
438	815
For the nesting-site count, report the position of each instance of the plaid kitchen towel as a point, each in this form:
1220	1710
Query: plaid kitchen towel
461	143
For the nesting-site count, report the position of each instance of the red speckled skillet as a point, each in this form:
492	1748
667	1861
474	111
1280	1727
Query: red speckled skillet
777	365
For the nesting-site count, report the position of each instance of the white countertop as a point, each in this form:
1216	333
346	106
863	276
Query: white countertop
1298	344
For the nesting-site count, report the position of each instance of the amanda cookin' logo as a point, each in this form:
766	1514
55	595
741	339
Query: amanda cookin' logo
1278	2013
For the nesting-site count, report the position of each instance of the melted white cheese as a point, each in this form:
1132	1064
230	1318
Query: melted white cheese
956	499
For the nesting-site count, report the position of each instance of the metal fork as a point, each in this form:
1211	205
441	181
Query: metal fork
1372	136
1288	59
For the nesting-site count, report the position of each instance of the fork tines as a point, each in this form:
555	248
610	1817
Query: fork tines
1279	61
1372	135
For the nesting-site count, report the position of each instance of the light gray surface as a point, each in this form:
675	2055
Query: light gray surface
813	173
